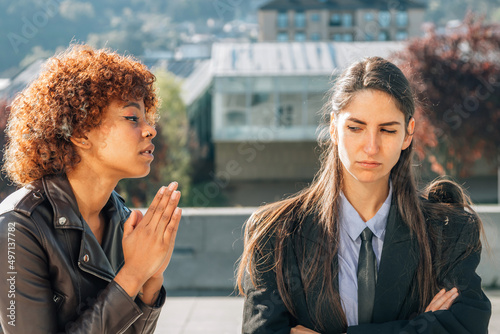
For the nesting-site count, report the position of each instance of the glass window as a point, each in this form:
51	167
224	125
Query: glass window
282	19
315	103
300	20
384	18
337	37
300	36
314	17
347	20
402	19
347	37
335	19
236	118
289	112
262	109
282	37
383	36
369	17
369	37
401	35
315	36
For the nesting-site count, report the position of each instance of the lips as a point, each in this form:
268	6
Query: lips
369	164
149	150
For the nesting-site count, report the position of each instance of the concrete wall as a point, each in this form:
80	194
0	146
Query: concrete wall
209	242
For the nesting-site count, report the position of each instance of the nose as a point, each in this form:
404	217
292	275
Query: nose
149	131
371	145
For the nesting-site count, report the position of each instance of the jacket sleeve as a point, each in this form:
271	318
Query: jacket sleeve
471	311
264	312
27	301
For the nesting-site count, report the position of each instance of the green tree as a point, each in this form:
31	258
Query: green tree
172	160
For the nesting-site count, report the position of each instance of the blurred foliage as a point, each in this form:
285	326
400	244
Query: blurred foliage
127	26
172	161
457	76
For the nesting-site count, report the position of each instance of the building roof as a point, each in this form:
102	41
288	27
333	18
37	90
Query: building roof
340	4
280	59
293	58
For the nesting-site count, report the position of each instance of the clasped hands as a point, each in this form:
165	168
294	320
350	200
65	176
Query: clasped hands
148	243
441	301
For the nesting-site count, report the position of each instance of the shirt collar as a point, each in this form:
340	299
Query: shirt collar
353	224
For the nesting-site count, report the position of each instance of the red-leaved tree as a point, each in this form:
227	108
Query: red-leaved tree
457	76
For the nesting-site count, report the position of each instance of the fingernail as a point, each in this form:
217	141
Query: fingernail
171	186
454	296
162	190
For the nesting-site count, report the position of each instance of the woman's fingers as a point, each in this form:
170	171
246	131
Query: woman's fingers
159	202
442	300
168	210
172	227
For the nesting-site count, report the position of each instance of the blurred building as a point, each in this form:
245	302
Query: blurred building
255	108
340	20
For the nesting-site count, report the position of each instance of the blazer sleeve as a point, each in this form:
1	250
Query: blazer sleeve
264	312
471	311
27	302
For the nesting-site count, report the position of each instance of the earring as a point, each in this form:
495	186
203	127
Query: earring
83	142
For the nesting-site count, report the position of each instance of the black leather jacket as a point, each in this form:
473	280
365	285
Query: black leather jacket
55	275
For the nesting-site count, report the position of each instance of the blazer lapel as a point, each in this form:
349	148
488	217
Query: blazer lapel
397	268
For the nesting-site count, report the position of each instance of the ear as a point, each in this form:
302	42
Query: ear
333	128
81	142
409	134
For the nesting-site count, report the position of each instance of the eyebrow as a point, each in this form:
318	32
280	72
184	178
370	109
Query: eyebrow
355	120
132	104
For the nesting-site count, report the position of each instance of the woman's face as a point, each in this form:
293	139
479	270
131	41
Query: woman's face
121	146
370	135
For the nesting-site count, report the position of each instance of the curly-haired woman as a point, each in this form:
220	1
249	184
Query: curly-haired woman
76	258
359	251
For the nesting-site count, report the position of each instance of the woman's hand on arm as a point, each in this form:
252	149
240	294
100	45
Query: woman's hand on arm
148	243
442	300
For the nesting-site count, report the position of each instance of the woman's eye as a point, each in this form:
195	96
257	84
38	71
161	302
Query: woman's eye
353	128
389	131
132	118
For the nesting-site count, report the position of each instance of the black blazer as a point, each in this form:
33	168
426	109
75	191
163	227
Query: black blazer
395	304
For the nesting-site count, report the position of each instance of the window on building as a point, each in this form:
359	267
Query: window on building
401	35
347	37
402	19
236	118
335	19
315	36
300	20
337	37
369	17
282	19
347	20
383	36
285	115
282	37
384	18
300	36
314	17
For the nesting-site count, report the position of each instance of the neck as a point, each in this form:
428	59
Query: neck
92	192
366	198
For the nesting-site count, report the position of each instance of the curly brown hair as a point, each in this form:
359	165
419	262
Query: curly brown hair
68	99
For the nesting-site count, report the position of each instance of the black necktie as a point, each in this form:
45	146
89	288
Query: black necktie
367	275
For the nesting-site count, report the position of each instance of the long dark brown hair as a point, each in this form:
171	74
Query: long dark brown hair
270	228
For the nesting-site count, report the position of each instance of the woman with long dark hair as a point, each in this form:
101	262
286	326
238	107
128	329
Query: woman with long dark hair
74	258
361	250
